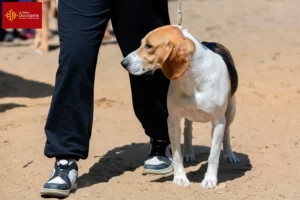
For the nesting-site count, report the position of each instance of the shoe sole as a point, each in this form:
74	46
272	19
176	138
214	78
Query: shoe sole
47	192
158	172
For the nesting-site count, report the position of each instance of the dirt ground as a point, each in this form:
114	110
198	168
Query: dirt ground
263	36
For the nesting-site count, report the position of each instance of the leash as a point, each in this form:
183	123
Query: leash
180	13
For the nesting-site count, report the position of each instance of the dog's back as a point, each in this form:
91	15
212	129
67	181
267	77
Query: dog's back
226	55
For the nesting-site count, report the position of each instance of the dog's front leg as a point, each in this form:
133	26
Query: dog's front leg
210	179
180	178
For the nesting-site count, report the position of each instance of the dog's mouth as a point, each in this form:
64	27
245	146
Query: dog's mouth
141	71
149	72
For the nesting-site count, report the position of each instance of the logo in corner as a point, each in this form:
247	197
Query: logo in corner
21	15
11	15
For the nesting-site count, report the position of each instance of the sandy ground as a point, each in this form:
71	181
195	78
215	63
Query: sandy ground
263	36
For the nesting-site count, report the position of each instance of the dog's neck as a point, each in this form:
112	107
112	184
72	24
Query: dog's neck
196	73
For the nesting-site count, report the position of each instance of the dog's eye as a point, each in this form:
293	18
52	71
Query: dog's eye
148	46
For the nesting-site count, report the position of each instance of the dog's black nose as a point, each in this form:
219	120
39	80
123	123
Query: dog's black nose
125	63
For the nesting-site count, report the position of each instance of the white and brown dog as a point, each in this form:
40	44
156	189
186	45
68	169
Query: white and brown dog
203	83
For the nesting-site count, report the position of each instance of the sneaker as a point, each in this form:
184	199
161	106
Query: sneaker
62	181
8	37
159	160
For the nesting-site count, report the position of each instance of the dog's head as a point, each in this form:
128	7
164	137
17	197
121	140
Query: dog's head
164	48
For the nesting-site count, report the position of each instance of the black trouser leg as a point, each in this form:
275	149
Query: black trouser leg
81	26
2	34
132	20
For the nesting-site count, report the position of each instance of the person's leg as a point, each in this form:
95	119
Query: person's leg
44	46
132	20
2	34
81	26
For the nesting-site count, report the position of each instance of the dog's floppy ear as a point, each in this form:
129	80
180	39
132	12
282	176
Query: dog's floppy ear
176	61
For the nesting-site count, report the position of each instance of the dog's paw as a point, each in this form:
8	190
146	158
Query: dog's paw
181	180
209	182
230	157
189	156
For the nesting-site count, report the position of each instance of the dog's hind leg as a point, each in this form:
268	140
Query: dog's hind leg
188	152
230	114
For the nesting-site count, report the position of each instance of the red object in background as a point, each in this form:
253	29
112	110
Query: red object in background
21	15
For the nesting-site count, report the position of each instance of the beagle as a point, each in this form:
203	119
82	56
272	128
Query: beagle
202	89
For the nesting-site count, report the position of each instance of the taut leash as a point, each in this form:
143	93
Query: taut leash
180	13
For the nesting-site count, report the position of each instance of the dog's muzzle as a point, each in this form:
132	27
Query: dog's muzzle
133	64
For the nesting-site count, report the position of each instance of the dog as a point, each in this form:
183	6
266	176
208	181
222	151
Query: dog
42	35
203	83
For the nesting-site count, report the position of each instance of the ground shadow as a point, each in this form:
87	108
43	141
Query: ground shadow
130	157
8	106
227	171
16	86
114	163
53	47
109	42
12	44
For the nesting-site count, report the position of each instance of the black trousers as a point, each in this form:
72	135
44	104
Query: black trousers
81	26
2	34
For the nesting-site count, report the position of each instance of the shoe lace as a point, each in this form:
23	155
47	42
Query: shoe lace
61	170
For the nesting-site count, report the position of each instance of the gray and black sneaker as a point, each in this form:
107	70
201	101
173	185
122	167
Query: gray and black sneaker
159	160
62	181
